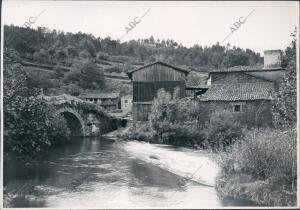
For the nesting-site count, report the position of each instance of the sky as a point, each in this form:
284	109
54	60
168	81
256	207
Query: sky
268	26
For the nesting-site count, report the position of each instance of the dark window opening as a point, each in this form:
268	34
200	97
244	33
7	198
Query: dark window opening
237	108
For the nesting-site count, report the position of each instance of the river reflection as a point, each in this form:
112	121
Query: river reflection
98	172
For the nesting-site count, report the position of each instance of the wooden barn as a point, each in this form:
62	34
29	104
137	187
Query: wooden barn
148	79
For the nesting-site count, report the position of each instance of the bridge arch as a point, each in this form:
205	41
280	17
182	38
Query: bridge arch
74	120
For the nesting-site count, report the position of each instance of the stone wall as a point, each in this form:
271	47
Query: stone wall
254	113
92	118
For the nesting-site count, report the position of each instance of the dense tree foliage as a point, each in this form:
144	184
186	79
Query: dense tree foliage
87	76
28	122
57	47
87	58
285	103
184	122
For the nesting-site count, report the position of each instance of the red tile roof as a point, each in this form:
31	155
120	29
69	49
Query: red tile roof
239	92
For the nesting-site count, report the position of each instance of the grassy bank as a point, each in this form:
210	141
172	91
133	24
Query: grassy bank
262	168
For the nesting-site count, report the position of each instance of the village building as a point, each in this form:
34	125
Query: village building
246	91
148	79
126	103
193	92
108	101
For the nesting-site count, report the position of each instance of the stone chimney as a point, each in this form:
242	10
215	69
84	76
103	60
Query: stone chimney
272	59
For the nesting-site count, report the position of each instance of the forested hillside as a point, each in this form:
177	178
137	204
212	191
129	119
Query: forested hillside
78	62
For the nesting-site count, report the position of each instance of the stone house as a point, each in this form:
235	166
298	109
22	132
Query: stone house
246	91
193	92
126	103
108	101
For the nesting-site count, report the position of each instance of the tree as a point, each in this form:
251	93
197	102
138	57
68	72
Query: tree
86	44
159	104
174	120
27	117
285	103
58	72
52	47
87	75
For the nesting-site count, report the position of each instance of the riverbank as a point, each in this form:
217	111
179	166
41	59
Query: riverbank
257	168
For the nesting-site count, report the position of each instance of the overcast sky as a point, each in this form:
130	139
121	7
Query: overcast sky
268	27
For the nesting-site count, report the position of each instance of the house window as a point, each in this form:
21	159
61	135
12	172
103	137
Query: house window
237	108
126	101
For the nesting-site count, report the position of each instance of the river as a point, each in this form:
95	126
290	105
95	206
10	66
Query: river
99	172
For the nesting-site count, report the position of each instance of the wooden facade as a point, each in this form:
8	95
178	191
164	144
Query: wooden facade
148	79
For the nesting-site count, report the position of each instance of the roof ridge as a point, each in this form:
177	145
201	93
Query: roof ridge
244	69
129	73
244	83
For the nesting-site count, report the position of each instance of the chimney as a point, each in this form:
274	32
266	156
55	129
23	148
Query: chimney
272	59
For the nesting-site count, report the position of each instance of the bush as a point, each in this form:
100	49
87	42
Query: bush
144	133
175	121
180	122
102	56
222	129
261	168
183	134
58	72
141	132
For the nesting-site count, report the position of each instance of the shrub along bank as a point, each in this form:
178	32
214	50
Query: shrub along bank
261	168
177	122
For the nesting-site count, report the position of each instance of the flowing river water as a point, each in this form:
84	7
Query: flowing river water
99	172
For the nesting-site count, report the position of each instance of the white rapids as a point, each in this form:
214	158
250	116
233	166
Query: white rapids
191	164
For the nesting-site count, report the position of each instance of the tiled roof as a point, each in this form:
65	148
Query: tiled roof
100	95
239	92
196	87
127	97
158	62
245	69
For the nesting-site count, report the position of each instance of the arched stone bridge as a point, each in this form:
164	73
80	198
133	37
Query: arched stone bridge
83	118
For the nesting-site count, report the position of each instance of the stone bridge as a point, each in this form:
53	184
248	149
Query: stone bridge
83	118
